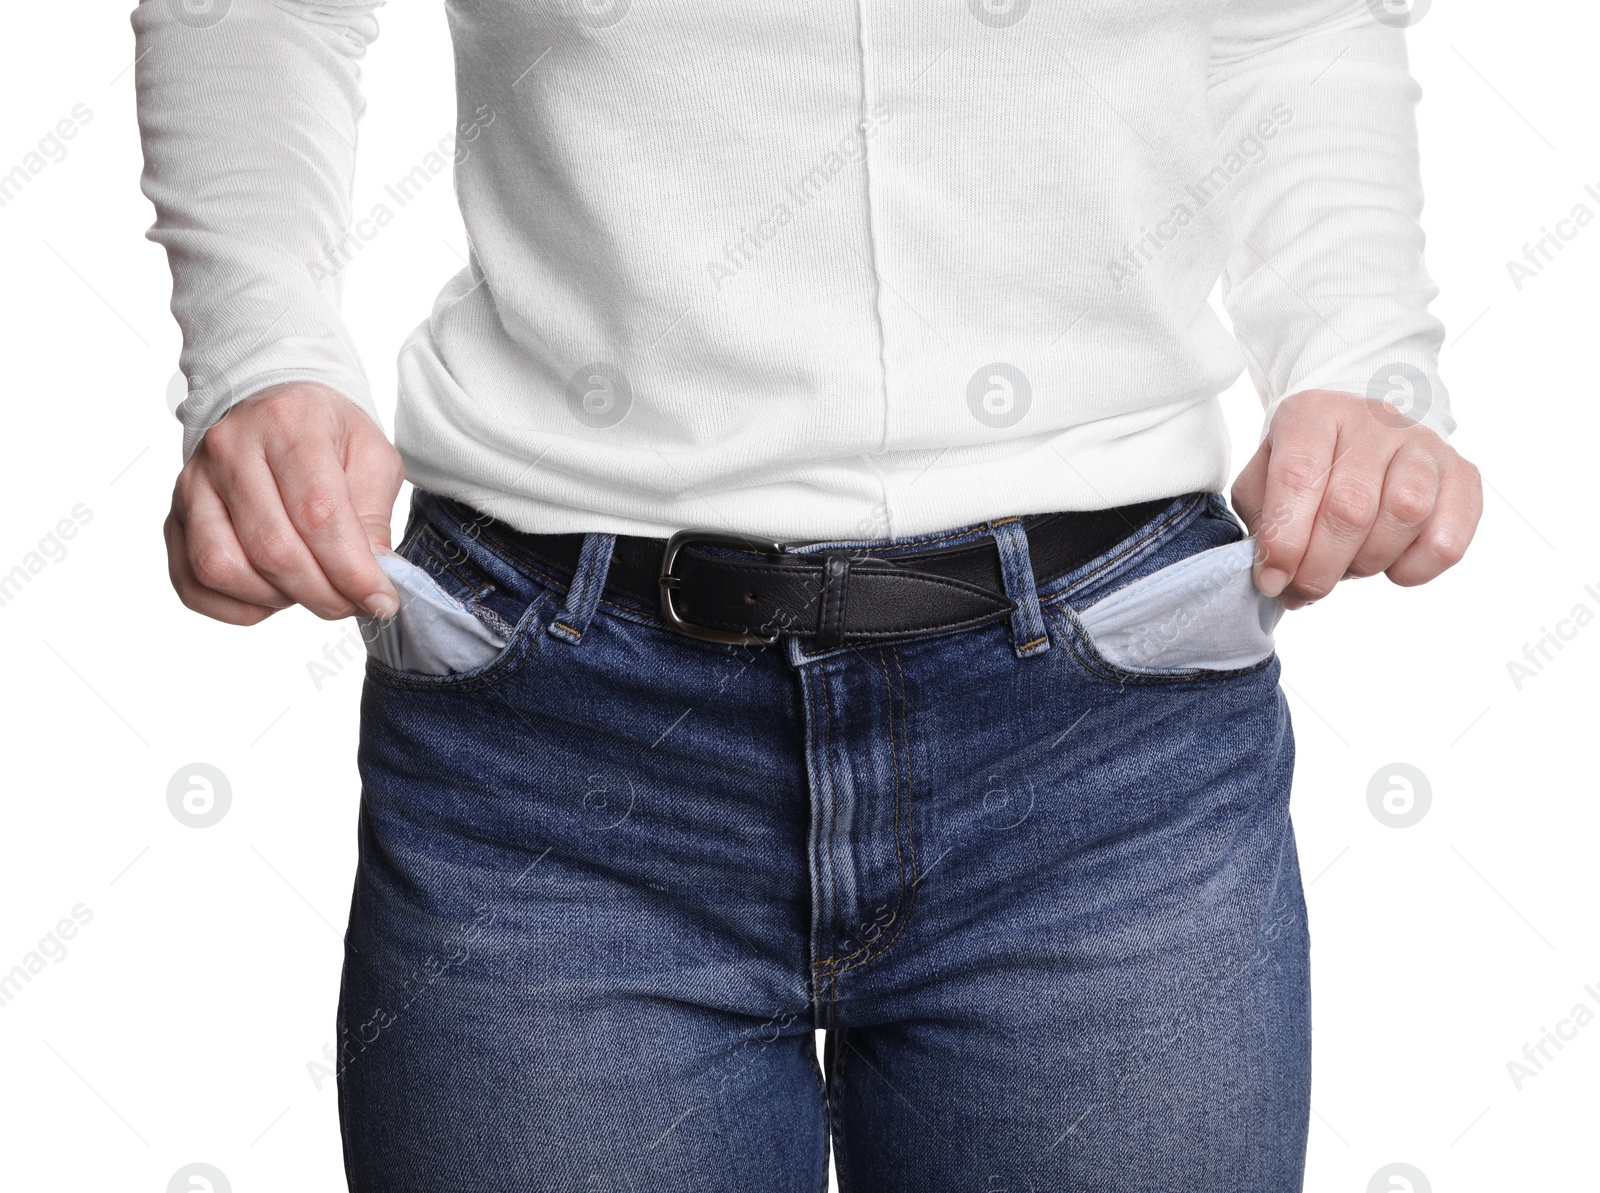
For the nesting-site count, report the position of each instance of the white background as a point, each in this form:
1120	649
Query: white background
180	1024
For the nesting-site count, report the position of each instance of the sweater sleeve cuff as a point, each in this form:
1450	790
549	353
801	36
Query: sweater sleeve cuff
1408	381
209	401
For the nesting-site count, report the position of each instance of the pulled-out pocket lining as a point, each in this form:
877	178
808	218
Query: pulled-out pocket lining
1199	617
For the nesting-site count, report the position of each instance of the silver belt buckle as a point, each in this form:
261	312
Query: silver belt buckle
669	582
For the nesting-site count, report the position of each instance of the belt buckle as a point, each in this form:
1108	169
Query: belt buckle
669	582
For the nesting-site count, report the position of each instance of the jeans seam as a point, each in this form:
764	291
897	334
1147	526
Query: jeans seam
441	556
900	919
836	1113
409	540
975	531
531	568
1104	669
511	661
1127	549
588	581
819	698
516	562
827	1125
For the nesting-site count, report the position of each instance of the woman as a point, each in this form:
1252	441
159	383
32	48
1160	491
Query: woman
817	608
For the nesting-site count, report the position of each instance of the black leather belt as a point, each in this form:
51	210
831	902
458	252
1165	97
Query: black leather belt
735	589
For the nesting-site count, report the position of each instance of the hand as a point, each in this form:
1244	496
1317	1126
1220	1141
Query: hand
284	502
1345	486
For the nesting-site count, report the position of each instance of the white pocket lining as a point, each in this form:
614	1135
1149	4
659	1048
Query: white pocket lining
1203	612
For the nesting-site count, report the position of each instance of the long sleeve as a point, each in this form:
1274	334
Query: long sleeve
248	114
1315	117
793	264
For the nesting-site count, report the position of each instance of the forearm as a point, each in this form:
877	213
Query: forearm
1326	282
249	132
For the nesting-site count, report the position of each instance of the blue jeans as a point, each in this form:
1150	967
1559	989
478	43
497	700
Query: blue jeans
1045	904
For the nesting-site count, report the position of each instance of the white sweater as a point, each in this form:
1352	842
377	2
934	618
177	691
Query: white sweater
813	268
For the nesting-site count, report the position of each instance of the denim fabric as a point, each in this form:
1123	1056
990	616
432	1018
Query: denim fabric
1048	908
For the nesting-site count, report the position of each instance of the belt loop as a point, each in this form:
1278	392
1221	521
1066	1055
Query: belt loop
1028	636
588	581
830	618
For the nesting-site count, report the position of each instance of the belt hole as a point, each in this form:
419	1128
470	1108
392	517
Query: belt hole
749	598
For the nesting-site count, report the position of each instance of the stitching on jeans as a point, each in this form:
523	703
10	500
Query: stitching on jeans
833	1021
519	563
527	567
531	567
1109	671
1126	551
652	617
910	845
819	699
514	656
425	540
867	637
833	832
410	540
896	917
822	1095
837	962
975	531
442	557
841	1050
507	553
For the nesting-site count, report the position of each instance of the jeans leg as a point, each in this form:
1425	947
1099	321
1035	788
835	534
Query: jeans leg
1091	973
577	956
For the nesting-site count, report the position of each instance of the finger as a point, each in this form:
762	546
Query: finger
1345	517
315	491
1410	492
376	473
271	542
1444	538
1302	455
215	558
196	595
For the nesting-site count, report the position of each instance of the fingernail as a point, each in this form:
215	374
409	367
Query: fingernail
381	605
1272	580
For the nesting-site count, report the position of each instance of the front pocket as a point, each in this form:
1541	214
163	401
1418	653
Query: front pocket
434	633
1201	614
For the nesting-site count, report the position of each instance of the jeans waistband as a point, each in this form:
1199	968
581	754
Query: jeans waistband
1017	556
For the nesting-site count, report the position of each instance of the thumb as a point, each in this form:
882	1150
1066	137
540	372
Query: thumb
375	473
1250	503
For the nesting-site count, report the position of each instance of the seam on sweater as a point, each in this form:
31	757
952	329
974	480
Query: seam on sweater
877	280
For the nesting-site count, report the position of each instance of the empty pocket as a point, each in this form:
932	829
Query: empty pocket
434	633
1202	613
